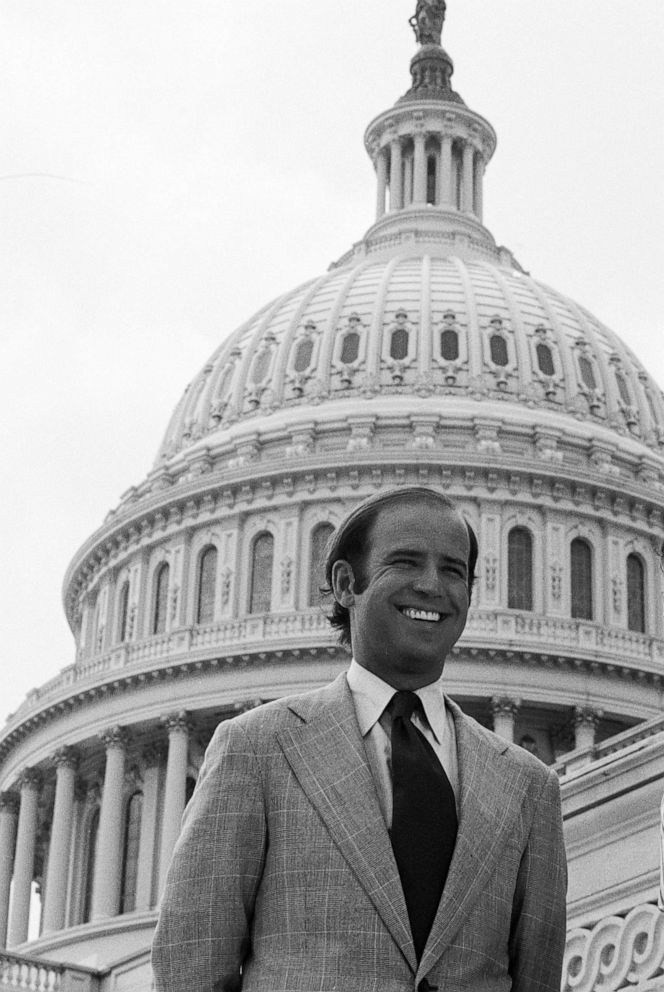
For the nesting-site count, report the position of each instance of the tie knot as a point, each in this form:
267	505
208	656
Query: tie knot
403	703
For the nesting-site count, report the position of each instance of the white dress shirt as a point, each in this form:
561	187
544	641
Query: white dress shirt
370	697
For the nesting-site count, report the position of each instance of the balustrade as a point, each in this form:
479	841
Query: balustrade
531	632
617	954
33	975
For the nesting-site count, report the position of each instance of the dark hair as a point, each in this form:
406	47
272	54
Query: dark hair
349	542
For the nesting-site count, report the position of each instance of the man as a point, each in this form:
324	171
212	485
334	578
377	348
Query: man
367	836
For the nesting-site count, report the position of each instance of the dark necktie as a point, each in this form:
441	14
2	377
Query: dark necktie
424	821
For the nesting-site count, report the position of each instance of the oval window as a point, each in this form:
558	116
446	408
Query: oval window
303	355
449	345
545	359
498	350
399	344
350	347
587	372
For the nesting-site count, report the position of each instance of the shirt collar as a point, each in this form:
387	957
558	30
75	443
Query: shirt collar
371	695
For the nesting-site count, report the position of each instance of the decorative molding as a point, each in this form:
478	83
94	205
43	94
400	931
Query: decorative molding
587	717
177	723
30	778
66	757
617	954
116	737
505	706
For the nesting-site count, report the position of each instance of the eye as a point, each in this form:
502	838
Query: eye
456	570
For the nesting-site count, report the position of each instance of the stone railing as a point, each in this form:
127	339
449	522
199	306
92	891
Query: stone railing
506	630
33	975
617	953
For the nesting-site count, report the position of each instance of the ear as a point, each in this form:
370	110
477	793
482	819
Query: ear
343	582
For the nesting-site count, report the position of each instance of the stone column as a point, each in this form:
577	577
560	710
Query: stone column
153	760
396	185
108	863
445	195
55	895
29	783
504	712
381	178
408	181
467	185
479	187
175	788
420	170
9	802
586	721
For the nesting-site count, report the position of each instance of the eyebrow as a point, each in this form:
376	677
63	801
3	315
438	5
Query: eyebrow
415	552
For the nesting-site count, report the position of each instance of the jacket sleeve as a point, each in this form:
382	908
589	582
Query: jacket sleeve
537	936
202	935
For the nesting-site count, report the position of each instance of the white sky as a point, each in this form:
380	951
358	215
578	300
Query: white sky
168	166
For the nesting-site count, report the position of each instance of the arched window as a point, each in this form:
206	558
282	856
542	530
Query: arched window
399	344
132	833
350	347
449	345
319	538
519	569
262	557
544	359
636	598
581	579
207	578
498	346
90	860
123	612
160	600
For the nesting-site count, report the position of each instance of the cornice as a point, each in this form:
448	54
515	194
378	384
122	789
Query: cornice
430	116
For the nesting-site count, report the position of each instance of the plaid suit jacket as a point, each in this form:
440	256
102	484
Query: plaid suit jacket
283	878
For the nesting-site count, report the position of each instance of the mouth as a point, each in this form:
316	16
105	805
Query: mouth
428	616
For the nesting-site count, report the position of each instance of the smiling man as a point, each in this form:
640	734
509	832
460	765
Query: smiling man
368	836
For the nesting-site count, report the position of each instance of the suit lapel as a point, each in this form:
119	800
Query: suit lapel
327	755
484	779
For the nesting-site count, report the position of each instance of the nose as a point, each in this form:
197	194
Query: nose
429	580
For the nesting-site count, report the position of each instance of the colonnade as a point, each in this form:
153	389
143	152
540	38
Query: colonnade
505	711
162	810
443	171
163	781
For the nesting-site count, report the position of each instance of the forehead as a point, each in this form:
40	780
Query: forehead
423	521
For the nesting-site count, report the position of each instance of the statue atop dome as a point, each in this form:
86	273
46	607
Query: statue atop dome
427	21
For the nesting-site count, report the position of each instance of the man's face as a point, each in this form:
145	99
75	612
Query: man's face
414	602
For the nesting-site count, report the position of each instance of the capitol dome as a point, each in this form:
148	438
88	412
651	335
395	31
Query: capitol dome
425	355
419	326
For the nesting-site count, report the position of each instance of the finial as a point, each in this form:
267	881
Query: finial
427	21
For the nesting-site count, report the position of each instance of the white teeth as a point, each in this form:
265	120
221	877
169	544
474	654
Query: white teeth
420	614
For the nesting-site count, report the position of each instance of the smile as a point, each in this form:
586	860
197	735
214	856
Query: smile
429	615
